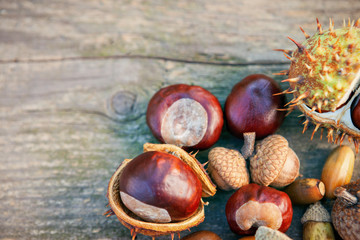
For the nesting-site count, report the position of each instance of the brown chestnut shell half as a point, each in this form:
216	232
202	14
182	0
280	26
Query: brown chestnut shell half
186	116
139	226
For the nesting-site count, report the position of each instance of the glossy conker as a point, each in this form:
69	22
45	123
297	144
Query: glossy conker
355	112
253	206
252	106
186	116
159	187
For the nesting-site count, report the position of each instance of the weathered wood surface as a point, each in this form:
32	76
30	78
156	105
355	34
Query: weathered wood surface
75	79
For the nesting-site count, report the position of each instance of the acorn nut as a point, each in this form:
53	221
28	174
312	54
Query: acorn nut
228	169
338	169
274	163
317	223
305	191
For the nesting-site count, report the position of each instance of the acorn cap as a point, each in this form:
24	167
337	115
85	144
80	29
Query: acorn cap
346	212
269	159
316	213
266	233
228	165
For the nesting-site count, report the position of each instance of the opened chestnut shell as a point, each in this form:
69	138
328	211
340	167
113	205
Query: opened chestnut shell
159	187
186	116
252	106
139	226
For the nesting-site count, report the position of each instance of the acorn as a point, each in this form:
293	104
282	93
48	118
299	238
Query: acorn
338	169
274	162
305	191
345	213
317	223
227	167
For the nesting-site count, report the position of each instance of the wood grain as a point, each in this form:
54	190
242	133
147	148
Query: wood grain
219	31
75	80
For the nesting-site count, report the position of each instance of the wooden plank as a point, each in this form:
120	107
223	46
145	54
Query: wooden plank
66	126
221	31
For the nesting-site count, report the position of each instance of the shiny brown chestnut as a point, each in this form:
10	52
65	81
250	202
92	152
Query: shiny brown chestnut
355	112
159	187
252	106
202	235
137	225
253	206
186	116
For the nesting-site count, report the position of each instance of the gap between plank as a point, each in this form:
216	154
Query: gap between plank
62	59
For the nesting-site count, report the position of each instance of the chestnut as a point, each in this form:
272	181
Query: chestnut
252	106
202	235
253	206
159	187
355	112
186	116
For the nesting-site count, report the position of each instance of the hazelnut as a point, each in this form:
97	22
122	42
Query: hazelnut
228	169
338	169
274	162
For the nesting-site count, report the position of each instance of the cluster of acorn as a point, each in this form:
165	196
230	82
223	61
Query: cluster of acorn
160	191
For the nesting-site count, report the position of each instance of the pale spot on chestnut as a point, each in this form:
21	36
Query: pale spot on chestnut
258	214
185	123
145	211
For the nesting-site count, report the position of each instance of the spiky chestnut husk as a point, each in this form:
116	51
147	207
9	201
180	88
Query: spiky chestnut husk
139	226
324	77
